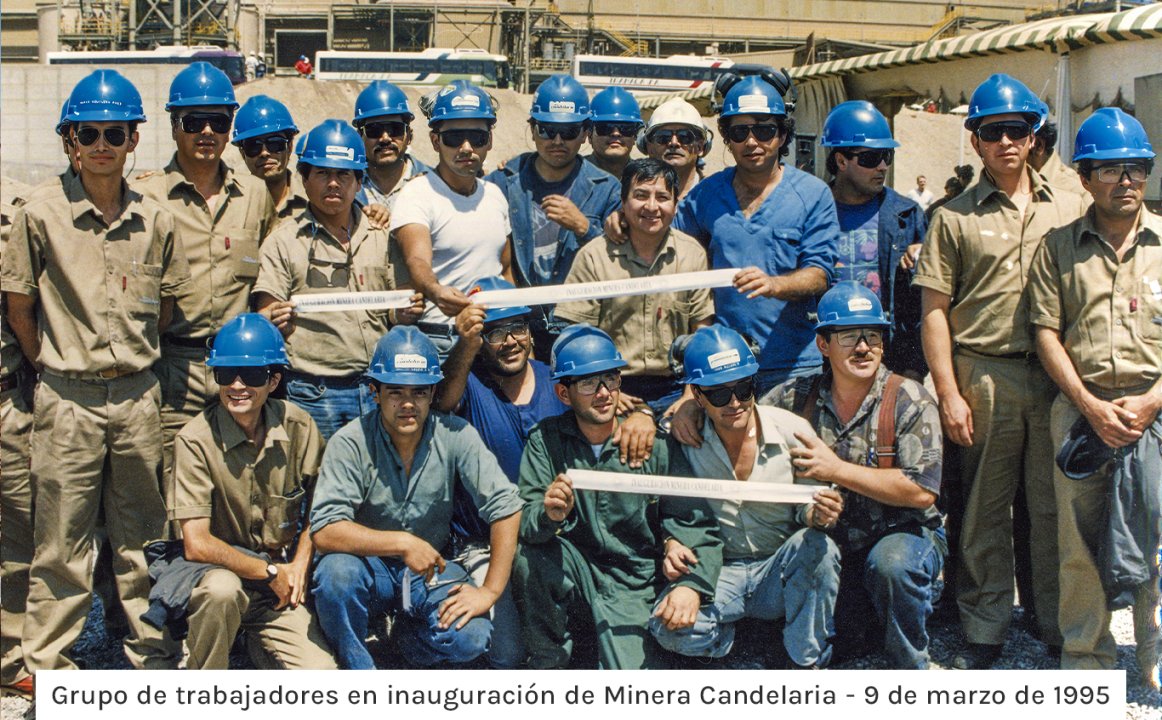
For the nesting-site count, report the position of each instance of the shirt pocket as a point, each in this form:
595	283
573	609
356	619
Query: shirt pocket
143	291
1150	310
282	515
372	278
782	251
244	259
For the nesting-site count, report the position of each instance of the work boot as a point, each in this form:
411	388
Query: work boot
977	656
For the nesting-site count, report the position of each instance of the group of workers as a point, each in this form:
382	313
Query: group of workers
318	478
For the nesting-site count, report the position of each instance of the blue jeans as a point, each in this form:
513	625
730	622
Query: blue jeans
349	588
888	588
330	404
508	648
767	380
797	584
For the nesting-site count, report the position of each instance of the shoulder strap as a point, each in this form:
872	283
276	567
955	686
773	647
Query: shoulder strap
886	428
808	408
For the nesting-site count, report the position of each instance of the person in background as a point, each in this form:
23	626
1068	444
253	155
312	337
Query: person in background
1045	159
264	133
952	188
616	121
677	136
920	194
304	67
383	118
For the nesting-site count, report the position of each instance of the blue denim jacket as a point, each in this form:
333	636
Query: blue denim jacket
902	223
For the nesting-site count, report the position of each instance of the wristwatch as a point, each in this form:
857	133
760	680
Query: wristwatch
644	410
271	573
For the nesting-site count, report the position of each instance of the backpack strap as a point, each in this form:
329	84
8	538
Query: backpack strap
886	427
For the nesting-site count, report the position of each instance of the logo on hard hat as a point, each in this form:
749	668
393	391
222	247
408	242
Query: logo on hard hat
753	102
466	101
725	359
859	304
410	361
562	106
339	152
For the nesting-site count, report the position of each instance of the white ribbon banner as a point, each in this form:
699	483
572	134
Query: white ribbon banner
553	294
341	301
692	487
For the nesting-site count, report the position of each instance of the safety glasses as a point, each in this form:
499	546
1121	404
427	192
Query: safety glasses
590	384
565	131
605	129
457	138
1015	130
274	145
763	132
250	376
851	337
1109	174
497	335
719	395
114	136
872	158
196	122
663	137
391	128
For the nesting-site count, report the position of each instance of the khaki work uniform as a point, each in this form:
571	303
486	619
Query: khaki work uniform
222	250
1062	177
254	499
295	201
978	251
1109	316
96	425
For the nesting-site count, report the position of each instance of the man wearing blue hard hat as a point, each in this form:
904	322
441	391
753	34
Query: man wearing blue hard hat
383	119
879	442
382	516
263	133
259	553
1096	290
777	562
616	121
598	557
994	396
90	276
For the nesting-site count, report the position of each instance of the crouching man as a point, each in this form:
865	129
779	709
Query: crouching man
243	470
384	507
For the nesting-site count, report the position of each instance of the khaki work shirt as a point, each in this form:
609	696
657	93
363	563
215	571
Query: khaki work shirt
978	251
253	495
11	195
98	287
221	248
302	257
1062	177
1109	313
295	200
642	326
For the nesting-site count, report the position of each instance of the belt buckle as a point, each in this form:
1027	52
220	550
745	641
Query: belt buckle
110	373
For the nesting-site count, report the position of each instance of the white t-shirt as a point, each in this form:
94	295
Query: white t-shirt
468	232
924	199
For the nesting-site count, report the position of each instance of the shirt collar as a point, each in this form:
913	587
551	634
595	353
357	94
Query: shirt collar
626	250
1149	227
873	395
985	188
767	427
175	178
232	435
80	204
422	449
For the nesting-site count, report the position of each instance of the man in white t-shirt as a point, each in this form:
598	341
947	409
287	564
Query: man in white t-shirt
452	228
921	194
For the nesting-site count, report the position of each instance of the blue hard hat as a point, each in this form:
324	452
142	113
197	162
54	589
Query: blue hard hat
1111	134
262	115
248	340
62	125
201	84
615	104
405	356
857	123
753	96
850	304
333	144
583	350
1002	94
560	99
379	99
499	313
461	100
299	144
104	96
716	355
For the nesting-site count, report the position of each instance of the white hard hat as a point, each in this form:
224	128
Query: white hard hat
674	111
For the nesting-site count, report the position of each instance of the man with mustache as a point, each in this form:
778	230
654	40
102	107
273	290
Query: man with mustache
264	134
383	118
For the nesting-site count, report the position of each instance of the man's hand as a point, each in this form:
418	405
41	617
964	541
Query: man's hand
626	403
686	423
422	559
411	314
1144	408
470	325
562	211
815	460
908	261
450	300
826	509
756	283
679	609
378	216
634	437
559	498
956	417
282	314
464	603
297	577
615	228
677	560
1112	423
283	586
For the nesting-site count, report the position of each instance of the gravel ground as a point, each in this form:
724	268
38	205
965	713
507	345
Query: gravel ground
1022	652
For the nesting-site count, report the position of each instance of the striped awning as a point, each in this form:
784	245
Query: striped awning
1140	23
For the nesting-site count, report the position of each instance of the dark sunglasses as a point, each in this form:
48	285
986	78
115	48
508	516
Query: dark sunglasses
872	158
663	137
605	129
497	335
763	132
1015	130
274	145
340	275
719	395
567	132
114	136
392	128
456	138
250	376
196	122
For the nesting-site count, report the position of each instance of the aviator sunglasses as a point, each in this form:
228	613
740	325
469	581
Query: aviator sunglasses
274	145
719	395
763	132
114	136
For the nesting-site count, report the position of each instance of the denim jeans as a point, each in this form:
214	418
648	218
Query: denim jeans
797	584
508	648
331	406
888	588
349	588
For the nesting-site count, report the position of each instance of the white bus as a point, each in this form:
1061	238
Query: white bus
230	62
649	76
434	66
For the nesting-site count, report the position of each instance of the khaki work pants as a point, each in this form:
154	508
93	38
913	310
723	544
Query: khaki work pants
187	386
93	442
16	533
287	639
1010	401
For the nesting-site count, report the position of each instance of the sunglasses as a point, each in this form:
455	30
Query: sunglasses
457	138
605	129
567	132
196	122
250	376
497	335
1015	130
719	395
852	336
340	271
391	128
763	132
663	137
872	158
1110	174
114	136
590	384
274	145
